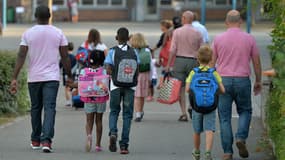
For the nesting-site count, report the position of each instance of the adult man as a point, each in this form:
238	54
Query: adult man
233	51
201	28
43	43
184	46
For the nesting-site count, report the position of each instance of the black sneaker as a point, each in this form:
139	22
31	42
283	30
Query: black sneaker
138	119
113	143
124	150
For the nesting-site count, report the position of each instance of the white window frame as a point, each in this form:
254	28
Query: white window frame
189	4
95	5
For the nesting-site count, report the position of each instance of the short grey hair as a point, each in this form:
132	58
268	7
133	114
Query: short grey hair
233	18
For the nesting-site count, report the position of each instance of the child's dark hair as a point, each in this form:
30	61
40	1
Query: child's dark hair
122	34
96	58
70	46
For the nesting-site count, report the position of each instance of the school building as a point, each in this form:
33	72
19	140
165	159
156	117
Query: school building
129	10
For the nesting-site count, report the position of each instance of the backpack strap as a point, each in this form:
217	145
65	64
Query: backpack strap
196	69
211	70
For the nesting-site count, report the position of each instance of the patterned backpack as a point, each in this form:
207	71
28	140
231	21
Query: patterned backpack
125	69
204	91
94	85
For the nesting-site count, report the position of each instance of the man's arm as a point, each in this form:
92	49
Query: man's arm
65	60
257	71
19	64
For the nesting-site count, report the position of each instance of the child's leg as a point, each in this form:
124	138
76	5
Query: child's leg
137	104
197	141
99	128
67	95
89	128
89	123
209	140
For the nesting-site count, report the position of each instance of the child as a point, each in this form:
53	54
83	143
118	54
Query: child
153	78
139	43
70	47
93	109
165	25
203	121
122	64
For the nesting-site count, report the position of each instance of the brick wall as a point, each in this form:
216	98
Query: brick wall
211	14
94	15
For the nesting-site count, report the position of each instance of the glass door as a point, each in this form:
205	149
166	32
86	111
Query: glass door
151	9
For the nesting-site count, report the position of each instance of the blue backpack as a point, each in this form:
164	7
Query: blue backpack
204	91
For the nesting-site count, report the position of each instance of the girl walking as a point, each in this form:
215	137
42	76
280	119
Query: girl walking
94	106
139	43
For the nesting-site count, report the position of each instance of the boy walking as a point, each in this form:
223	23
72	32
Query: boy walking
122	64
203	82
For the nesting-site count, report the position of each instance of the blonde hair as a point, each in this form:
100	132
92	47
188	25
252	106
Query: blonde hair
166	23
138	41
205	54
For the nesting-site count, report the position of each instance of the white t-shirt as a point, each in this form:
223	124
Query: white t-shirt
99	46
43	42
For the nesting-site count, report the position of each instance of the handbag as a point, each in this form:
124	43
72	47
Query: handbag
164	54
169	90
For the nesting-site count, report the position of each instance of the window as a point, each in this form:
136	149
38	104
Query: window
117	2
165	2
102	2
58	2
87	2
221	2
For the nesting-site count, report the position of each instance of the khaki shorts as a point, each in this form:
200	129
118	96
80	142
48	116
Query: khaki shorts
182	67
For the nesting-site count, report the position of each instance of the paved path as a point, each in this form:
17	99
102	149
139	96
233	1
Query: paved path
158	137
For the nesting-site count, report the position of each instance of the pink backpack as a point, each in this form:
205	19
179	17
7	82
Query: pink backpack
94	86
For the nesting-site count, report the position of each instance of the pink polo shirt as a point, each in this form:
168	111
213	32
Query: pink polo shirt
43	42
234	49
186	41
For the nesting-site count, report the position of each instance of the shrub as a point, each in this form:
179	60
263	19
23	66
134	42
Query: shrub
276	103
12	104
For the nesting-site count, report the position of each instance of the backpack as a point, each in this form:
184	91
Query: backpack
145	60
82	54
125	68
93	86
204	91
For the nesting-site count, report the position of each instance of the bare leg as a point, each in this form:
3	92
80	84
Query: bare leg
196	138
89	123
67	95
99	128
209	140
137	104
89	128
182	101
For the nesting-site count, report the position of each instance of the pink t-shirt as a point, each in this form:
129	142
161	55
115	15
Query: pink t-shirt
43	43
186	41
234	49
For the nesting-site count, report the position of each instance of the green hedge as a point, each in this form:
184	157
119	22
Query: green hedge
12	104
276	103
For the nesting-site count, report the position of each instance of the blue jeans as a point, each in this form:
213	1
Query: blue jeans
238	90
127	96
43	95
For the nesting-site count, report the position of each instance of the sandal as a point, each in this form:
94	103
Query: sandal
98	148
183	118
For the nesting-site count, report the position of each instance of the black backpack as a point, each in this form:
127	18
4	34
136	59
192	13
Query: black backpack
125	69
